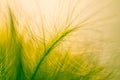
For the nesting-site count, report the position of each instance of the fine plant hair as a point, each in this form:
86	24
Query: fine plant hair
36	58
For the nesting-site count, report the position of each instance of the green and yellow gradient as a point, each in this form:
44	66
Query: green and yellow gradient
59	39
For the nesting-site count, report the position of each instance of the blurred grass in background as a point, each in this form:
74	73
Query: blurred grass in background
32	51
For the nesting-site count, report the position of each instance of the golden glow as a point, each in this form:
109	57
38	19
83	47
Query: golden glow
97	17
32	29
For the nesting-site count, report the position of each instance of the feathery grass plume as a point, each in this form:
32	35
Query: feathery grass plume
53	44
69	67
18	59
11	50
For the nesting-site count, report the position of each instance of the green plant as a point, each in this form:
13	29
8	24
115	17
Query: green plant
18	59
